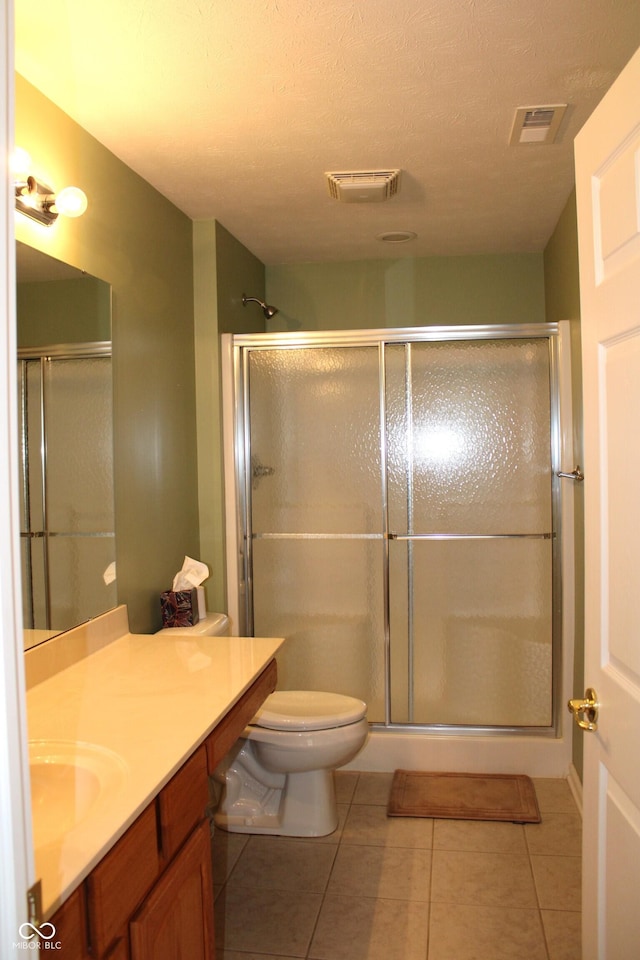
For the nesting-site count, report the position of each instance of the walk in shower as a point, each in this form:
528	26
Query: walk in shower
398	520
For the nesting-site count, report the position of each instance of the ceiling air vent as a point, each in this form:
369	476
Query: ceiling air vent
537	124
363	186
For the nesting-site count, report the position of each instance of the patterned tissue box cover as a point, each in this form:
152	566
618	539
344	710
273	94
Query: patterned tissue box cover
179	608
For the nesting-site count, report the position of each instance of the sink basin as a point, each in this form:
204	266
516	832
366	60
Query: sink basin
69	781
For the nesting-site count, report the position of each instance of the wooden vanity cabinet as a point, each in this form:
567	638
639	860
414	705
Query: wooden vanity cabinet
176	920
233	723
71	927
151	897
120	881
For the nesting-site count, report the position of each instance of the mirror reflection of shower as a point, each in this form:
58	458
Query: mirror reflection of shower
66	504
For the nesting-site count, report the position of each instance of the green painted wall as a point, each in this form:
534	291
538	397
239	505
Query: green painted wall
502	288
562	298
141	244
223	270
63	311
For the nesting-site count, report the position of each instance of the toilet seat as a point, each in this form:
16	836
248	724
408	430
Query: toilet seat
308	710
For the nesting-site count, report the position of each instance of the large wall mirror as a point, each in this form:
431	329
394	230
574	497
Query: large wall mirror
67	534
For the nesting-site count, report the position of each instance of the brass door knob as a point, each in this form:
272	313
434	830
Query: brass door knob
585	711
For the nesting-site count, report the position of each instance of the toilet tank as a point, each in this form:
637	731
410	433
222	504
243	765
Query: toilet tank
213	625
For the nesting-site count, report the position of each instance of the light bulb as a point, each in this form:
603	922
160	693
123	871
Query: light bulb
72	202
20	163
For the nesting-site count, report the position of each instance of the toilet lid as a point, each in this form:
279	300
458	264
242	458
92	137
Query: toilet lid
308	710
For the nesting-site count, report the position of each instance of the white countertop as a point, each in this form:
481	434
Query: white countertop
150	700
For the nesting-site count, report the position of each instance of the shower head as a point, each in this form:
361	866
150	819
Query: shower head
266	309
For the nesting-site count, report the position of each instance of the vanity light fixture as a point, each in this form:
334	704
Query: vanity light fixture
38	200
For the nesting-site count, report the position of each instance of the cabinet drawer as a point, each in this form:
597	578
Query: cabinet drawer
182	803
233	723
120	881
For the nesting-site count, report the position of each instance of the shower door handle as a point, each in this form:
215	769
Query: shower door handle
576	474
585	712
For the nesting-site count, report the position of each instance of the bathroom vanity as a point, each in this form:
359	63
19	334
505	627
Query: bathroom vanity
136	725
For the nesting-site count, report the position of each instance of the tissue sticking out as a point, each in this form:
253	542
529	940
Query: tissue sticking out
192	576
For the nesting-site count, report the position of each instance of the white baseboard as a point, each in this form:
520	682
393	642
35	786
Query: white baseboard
575	785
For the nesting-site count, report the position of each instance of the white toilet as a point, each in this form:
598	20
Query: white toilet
278	778
213	625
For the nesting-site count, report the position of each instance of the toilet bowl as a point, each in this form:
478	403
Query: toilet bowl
278	778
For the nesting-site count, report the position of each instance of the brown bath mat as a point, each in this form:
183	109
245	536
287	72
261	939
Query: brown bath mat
463	796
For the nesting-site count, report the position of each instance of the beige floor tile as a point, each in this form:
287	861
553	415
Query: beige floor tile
373	788
234	955
225	850
345	782
359	928
470	933
482	879
559	834
265	921
284	865
554	796
479	836
558	882
370	825
393	873
562	930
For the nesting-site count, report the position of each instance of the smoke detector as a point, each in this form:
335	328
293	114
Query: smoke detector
537	124
363	186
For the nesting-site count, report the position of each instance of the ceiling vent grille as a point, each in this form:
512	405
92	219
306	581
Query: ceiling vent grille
537	124
363	186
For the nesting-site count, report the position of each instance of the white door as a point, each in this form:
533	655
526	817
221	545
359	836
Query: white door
608	191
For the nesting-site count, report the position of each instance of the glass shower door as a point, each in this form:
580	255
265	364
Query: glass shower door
314	498
470	530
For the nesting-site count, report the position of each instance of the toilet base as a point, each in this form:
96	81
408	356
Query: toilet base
287	805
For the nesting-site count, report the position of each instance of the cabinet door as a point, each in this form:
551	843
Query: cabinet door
176	919
70	924
120	881
120	951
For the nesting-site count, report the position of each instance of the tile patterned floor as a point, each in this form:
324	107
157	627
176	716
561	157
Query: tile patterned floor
384	888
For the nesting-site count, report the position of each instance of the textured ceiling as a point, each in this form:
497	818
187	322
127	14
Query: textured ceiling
234	109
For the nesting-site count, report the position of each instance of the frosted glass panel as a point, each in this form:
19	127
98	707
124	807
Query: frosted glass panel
315	440
76	579
481	632
79	446
34	600
68	537
325	597
469	437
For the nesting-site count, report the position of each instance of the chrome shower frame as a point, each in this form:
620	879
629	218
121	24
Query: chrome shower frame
238	482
